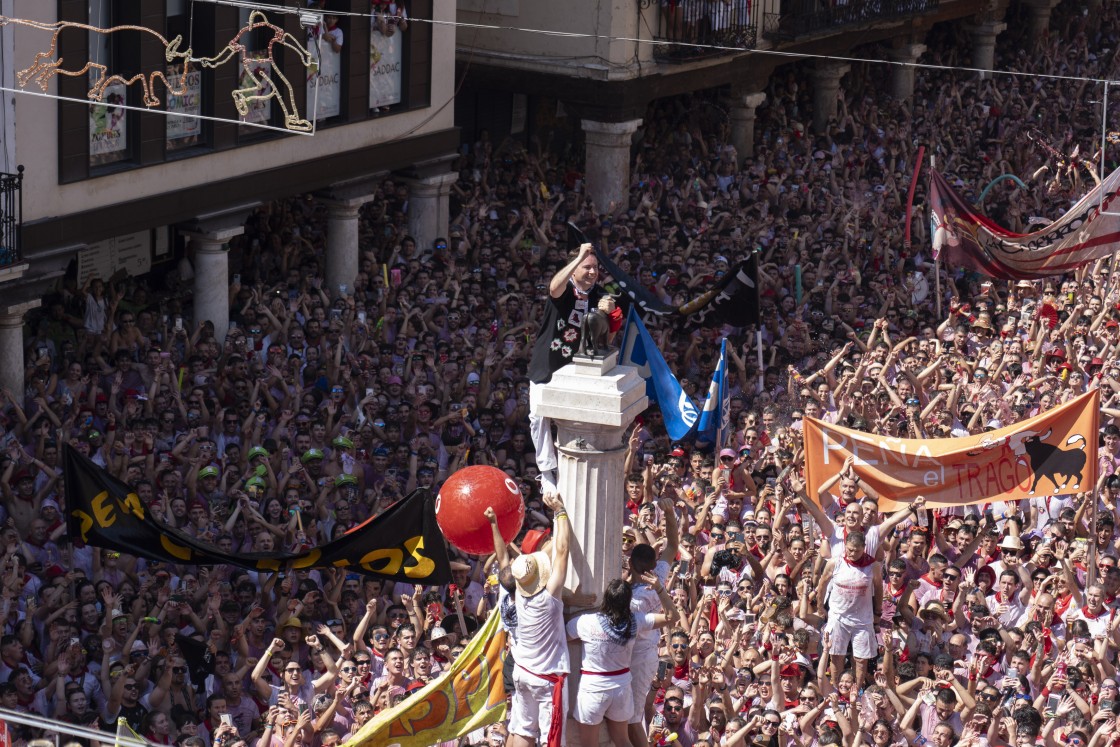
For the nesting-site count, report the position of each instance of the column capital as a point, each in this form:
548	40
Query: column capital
11	313
830	71
610	133
213	241
434	185
987	29
907	52
354	191
344	209
753	100
220	225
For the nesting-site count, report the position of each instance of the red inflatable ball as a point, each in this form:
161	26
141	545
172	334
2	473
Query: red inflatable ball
463	499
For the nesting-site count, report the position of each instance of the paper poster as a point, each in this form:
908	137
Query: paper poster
386	54
256	74
108	127
324	79
184	132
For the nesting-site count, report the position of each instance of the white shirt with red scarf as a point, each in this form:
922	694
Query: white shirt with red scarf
1098	623
1011	615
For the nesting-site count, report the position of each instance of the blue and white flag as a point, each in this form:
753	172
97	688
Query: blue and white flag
640	351
713	423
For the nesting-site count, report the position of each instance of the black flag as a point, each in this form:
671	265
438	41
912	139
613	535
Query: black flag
732	300
402	544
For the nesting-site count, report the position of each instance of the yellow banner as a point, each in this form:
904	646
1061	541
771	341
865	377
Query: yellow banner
1054	453
466	697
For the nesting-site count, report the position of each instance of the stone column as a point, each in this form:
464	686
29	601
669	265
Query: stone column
607	161
592	402
743	113
12	361
428	211
902	76
342	244
1038	15
211	277
984	45
826	87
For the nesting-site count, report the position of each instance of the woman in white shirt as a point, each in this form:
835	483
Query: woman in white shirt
608	641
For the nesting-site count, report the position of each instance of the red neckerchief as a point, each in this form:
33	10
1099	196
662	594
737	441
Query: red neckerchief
895	595
757	552
681	672
931	582
864	561
1061	606
998	600
1088	616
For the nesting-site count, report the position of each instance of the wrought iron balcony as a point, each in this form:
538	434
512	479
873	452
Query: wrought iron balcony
800	18
690	29
11	217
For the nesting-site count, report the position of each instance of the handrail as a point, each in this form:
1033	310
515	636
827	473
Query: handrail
61	727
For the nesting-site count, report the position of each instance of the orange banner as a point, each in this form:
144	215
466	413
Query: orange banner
1054	453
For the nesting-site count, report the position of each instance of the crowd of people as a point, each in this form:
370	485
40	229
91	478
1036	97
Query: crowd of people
750	612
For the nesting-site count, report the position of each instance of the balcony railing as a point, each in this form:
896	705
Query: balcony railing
11	217
701	28
805	17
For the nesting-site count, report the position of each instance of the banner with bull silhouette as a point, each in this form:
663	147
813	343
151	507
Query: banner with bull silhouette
1054	453
403	543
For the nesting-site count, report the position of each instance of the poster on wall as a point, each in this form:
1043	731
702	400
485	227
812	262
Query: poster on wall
256	75
184	132
386	60
324	77
131	253
108	127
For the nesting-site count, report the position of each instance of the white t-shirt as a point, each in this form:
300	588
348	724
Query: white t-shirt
540	645
601	653
645	600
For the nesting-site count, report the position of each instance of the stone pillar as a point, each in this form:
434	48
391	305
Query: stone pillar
984	45
428	211
607	161
211	277
826	87
592	402
1038	16
342	244
743	113
902	76
12	361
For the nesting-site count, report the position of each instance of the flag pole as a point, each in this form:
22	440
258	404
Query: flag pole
761	378
1092	579
937	261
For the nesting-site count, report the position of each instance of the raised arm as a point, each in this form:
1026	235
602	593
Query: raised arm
563	531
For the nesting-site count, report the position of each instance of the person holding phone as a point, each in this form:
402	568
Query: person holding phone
645	562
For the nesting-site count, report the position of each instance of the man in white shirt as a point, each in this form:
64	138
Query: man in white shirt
540	647
645	599
1095	614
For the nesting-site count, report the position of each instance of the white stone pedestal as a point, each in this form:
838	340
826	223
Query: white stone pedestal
593	402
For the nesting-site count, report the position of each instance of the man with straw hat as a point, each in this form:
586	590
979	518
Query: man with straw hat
540	644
